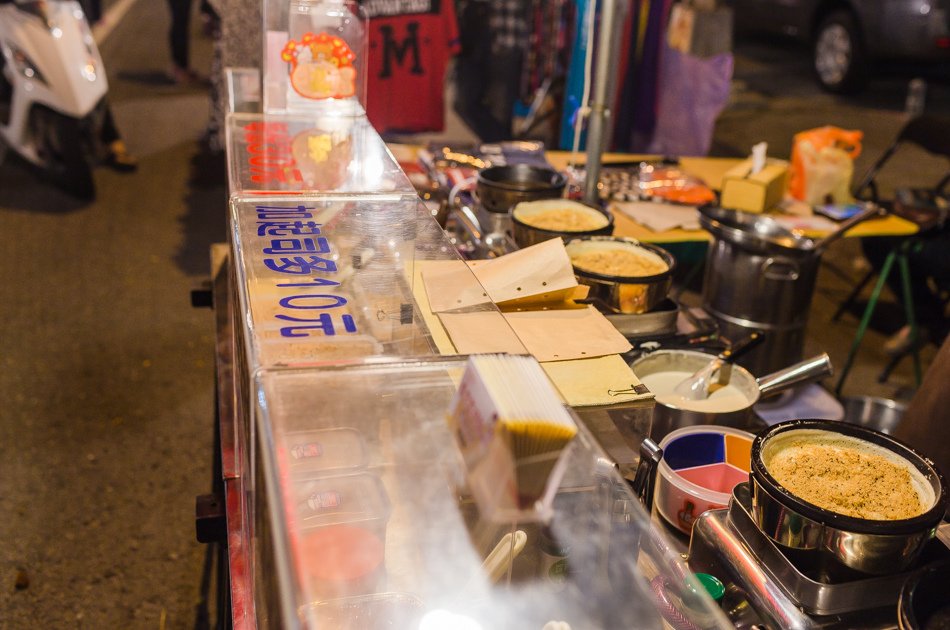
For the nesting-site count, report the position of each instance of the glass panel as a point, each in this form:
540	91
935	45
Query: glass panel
385	534
331	154
336	279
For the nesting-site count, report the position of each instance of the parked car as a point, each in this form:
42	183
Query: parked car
847	35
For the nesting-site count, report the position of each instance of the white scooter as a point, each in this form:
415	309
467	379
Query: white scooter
52	90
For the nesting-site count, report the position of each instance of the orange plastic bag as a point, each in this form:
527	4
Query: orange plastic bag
823	164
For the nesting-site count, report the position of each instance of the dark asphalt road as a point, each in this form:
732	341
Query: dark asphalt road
106	382
106	377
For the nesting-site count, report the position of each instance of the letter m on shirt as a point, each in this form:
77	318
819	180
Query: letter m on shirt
397	51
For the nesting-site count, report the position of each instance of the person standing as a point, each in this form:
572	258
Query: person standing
178	38
494	38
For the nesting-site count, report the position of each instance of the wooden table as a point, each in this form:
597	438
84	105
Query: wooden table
711	171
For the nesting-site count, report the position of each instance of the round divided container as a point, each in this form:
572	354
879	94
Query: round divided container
700	467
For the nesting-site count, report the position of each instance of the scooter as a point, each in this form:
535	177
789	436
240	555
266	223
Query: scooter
52	91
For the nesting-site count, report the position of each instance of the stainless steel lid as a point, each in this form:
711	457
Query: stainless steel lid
753	231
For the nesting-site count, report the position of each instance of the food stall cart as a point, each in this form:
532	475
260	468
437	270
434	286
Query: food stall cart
347	500
345	496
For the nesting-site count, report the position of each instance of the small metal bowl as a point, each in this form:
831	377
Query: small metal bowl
526	235
499	188
624	294
880	414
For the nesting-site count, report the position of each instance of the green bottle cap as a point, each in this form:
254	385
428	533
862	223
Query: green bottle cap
713	586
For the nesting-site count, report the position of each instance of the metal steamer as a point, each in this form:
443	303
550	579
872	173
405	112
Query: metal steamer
761	276
788	564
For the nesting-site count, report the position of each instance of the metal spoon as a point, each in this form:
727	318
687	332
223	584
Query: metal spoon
697	386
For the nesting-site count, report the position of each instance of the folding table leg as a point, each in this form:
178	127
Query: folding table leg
865	320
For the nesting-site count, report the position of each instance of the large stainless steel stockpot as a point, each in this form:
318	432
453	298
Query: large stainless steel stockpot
761	276
875	547
669	416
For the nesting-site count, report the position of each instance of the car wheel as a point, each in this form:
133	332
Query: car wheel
838	55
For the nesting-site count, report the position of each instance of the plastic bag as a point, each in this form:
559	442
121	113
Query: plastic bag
693	91
823	164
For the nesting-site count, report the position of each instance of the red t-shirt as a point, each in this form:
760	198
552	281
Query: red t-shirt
410	44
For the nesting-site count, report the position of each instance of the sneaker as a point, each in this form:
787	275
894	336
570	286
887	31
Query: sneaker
119	158
901	342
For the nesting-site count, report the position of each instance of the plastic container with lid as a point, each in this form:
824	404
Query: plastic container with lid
357	499
700	467
325	450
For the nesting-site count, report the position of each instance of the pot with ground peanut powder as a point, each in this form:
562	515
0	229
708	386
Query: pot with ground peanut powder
856	496
624	275
534	222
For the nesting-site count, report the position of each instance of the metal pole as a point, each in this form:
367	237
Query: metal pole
607	43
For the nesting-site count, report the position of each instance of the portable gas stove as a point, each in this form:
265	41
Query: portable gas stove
772	587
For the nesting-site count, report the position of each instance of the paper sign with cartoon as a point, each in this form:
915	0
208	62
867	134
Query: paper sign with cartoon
321	66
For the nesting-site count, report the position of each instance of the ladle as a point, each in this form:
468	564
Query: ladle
696	387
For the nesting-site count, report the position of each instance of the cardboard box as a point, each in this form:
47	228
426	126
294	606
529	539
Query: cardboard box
742	190
700	31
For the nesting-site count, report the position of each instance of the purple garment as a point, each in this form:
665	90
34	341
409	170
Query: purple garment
693	91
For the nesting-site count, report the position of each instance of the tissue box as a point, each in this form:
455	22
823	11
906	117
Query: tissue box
742	190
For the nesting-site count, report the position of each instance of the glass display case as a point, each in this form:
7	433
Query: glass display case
363	520
353	510
299	154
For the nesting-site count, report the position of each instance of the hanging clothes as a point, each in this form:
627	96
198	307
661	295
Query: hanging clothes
410	45
637	103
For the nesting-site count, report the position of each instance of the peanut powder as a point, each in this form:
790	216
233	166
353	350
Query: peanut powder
565	220
847	480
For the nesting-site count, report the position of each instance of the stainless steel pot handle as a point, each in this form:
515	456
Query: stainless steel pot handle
645	479
803	372
781	269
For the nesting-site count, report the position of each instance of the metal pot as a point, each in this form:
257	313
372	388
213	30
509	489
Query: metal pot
623	294
870	546
923	603
526	235
761	276
667	416
498	188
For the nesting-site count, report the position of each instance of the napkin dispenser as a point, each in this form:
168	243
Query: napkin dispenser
743	189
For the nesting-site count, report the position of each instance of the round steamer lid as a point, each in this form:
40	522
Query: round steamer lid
753	231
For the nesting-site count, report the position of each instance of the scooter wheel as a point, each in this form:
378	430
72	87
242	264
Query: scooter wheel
64	146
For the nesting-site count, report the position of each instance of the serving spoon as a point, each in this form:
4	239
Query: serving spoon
697	386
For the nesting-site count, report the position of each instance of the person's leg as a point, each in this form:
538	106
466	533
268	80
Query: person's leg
92	10
471	81
474	72
930	265
178	38
210	18
505	90
117	155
